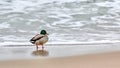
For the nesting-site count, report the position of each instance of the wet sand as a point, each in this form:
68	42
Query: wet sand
13	52
61	56
101	60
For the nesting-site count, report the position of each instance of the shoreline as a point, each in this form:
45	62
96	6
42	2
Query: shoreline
101	60
53	51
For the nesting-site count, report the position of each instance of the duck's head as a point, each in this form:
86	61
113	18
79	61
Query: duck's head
44	32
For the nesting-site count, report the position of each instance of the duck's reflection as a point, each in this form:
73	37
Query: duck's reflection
40	53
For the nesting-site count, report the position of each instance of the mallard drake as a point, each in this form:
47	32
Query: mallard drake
40	39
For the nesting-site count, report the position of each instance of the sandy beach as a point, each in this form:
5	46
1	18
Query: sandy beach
101	60
61	56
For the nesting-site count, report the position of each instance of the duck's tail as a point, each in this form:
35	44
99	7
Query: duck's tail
32	41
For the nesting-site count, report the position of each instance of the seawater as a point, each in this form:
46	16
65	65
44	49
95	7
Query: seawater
65	20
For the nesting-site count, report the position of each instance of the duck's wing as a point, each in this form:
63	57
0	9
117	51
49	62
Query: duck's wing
35	38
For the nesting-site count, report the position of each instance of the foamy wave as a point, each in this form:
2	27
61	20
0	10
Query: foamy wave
65	20
21	5
4	25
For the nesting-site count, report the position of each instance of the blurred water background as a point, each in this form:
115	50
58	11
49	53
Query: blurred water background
65	20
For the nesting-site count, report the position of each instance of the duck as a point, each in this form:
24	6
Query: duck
40	39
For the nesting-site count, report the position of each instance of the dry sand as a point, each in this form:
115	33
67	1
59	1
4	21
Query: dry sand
104	60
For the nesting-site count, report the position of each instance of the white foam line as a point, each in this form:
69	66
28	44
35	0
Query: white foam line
64	43
87	43
15	43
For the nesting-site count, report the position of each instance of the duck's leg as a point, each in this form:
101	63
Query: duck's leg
42	47
36	47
